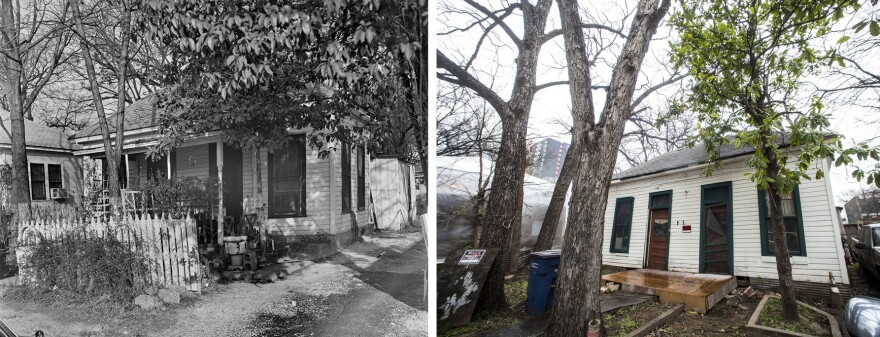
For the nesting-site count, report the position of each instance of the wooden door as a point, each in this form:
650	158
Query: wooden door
658	239
716	229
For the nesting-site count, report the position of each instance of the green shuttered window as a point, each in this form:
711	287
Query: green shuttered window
620	231
791	217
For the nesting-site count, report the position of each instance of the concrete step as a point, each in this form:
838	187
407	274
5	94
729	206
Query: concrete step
273	272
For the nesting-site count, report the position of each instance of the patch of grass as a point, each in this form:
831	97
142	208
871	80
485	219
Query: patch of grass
771	316
622	321
853	268
515	292
628	324
482	323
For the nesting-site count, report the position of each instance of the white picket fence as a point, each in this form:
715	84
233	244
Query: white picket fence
170	244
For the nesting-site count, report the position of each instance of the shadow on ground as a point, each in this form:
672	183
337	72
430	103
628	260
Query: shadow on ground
398	274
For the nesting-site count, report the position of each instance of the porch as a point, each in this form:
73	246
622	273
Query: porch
229	212
699	292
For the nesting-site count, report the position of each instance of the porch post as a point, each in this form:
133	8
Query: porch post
220	209
333	195
168	164
255	167
127	173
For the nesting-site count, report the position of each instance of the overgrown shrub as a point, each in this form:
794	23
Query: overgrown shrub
179	195
90	266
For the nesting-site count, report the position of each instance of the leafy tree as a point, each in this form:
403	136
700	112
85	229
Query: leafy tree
254	69
747	60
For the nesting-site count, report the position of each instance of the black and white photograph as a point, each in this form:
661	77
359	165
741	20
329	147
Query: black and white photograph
214	168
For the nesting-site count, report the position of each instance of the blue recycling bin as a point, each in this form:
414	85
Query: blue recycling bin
542	278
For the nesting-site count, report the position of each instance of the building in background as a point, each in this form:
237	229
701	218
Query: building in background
548	157
863	208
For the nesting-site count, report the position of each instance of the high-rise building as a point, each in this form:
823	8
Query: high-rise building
548	158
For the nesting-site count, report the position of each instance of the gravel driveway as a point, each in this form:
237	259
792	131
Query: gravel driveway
353	293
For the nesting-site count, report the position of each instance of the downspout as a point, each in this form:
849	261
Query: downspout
332	193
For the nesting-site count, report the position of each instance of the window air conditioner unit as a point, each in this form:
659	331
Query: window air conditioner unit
58	193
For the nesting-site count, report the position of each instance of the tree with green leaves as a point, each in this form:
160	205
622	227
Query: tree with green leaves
747	60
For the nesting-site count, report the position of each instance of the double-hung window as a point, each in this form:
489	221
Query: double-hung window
361	180
620	230
792	219
287	180
345	162
42	183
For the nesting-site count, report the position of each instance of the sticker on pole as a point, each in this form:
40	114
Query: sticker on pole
472	256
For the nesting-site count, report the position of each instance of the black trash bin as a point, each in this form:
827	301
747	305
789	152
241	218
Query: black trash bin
542	280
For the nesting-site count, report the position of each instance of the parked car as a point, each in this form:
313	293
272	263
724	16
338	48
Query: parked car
862	316
866	249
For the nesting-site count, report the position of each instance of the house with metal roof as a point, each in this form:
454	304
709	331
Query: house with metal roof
54	173
664	214
292	191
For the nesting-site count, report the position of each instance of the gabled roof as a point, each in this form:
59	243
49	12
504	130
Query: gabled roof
35	134
679	159
138	115
689	157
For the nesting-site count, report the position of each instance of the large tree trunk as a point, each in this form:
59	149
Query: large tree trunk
504	208
576	301
121	74
783	261
557	200
516	231
12	88
113	157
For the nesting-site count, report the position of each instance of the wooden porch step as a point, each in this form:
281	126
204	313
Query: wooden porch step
699	292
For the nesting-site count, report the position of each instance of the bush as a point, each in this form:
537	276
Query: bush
89	266
179	195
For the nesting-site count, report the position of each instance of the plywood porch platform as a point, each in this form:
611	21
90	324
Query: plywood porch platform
699	292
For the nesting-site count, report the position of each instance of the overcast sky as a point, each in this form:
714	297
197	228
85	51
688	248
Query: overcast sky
494	66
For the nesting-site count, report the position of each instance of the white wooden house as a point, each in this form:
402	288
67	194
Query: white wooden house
295	192
54	172
665	215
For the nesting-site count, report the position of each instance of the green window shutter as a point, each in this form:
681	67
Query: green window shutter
794	223
620	231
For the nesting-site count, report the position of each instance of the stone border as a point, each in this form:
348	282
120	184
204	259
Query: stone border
658	321
752	328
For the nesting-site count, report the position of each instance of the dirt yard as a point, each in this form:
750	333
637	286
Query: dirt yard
354	292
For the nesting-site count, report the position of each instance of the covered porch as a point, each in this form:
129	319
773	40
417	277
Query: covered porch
204	158
699	292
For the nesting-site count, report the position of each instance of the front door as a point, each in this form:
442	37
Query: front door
716	230
232	183
658	239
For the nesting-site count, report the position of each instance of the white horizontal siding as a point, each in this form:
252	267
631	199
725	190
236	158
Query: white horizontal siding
361	218
317	194
71	172
817	211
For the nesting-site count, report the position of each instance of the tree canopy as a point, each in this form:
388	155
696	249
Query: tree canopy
748	61
257	68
